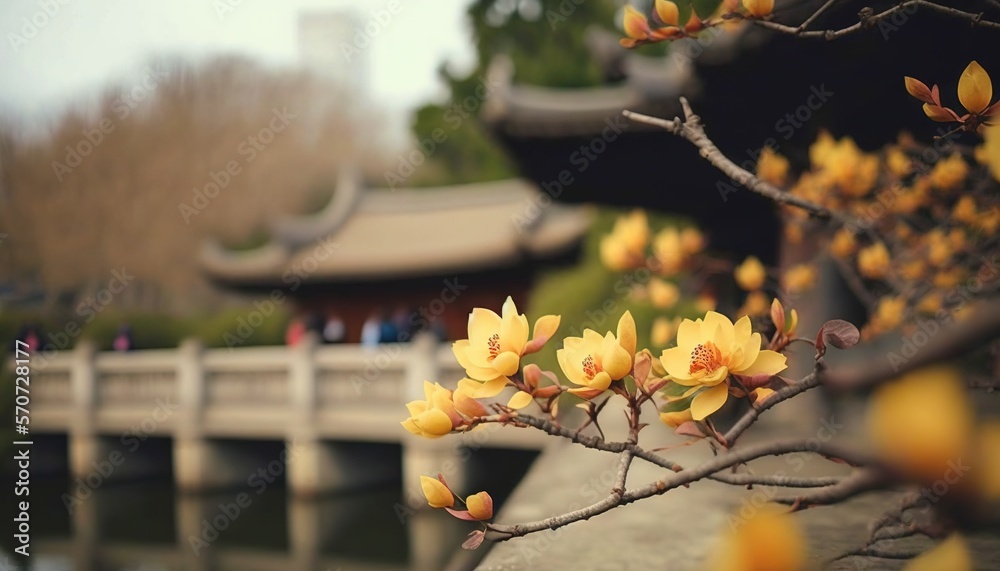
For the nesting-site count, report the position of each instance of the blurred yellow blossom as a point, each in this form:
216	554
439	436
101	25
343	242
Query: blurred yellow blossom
948	174
989	221
668	251
898	162
913	270
772	167
873	261
930	303
692	240
947	279
799	278
821	149
625	246
706	302
759	8
965	210
922	422
889	314
844	243
989	152
663	294
768	540
751	274
664	330
756	303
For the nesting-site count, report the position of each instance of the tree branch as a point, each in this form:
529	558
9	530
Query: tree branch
682	478
692	130
811	381
860	481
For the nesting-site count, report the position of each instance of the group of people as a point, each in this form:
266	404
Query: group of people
380	327
31	335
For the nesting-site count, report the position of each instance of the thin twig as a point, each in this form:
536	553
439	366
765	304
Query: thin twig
811	381
860	481
670	482
815	15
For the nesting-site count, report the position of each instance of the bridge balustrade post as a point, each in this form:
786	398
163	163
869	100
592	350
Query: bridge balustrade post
84	444
190	448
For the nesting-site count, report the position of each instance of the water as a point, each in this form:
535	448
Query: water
147	525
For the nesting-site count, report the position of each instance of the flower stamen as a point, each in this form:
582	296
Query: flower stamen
705	357
589	367
494	343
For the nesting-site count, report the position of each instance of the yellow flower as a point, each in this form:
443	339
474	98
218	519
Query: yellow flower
496	344
989	221
708	351
873	261
692	240
667	12
664	330
898	162
989	152
767	540
635	24
435	416
948	174
592	361
750	275
755	304
975	88
939	250
921	422
951	554
822	149
850	169
772	167
913	270
799	278
889	313
759	8
948	279
965	210
930	303
480	506
625	246
438	495
844	243
677	418
663	294
669	251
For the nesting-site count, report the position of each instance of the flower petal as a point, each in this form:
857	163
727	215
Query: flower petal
677	362
709	401
438	495
918	89
572	367
507	363
513	328
635	24
667	12
767	363
545	328
480	506
520	400
939	114
483	323
433	422
718	329
461	349
626	334
616	361
975	90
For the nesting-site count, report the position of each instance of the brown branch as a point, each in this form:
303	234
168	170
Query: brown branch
691	129
811	381
867	21
860	481
672	481
596	443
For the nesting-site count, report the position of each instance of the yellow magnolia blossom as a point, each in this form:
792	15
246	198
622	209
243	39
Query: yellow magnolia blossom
921	422
772	167
496	344
435	416
948	174
438	495
898	162
799	278
677	418
480	506
873	261
708	351
751	274
663	331
669	251
667	11
769	540
965	210
593	361
755	304
889	314
989	152
952	554
759	8
692	241
844	243
625	246
663	294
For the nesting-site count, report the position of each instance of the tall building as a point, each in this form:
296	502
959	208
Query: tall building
334	44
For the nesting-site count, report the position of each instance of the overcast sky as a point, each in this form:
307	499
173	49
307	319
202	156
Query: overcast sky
88	43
